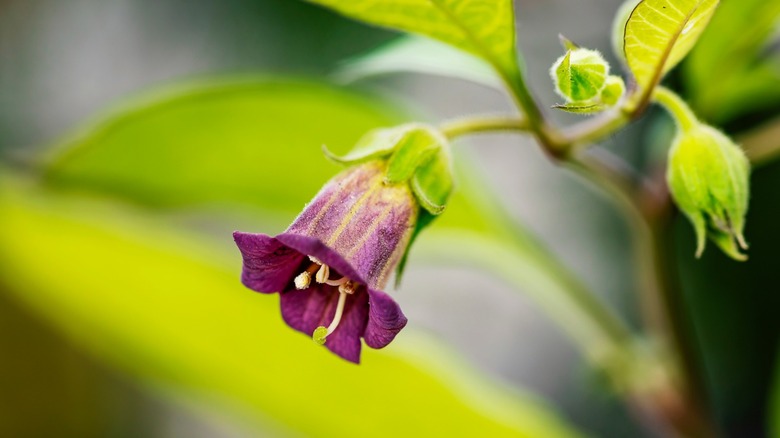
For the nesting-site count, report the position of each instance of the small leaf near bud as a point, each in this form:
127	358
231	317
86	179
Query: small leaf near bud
580	75
708	178
567	43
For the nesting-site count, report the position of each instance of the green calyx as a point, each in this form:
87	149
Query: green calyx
708	176
582	78
580	74
416	154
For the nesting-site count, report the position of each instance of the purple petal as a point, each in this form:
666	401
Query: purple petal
345	340
385	319
314	247
269	265
305	310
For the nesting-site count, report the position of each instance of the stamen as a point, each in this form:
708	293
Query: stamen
303	280
347	287
338	282
315	260
323	274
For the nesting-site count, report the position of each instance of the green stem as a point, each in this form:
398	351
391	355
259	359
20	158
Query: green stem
548	136
473	125
677	107
661	300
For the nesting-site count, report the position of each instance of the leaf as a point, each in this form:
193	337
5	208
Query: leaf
417	148
378	143
659	33
169	309
411	54
729	73
581	107
433	182
485	28
240	141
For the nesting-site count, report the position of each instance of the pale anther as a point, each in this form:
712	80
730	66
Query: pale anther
303	280
323	274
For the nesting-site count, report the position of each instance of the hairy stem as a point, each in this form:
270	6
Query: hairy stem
473	125
680	111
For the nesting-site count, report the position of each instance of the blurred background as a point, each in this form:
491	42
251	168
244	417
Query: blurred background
121	313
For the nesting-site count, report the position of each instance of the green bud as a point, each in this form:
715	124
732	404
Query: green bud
613	90
708	177
580	75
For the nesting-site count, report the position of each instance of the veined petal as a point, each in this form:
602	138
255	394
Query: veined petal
269	265
345	340
314	247
385	319
305	310
358	216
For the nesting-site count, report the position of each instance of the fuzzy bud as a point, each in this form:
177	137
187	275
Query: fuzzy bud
708	177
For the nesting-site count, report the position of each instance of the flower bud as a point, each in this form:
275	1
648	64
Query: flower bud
708	177
580	74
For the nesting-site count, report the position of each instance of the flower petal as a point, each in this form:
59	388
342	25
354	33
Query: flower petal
269	265
345	340
314	247
385	319
305	310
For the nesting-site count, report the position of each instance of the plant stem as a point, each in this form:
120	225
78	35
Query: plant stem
473	125
680	111
547	135
681	402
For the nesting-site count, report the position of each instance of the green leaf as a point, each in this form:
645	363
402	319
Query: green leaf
581	107
659	33
375	144
168	308
433	182
416	149
239	141
619	28
729	73
485	28
412	54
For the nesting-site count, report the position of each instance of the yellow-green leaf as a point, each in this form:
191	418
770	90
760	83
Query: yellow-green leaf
169	309
485	28
659	33
413	54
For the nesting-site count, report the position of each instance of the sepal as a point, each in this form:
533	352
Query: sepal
580	74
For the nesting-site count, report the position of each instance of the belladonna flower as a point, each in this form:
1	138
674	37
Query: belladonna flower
330	266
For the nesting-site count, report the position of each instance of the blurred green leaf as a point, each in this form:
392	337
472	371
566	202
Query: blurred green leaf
659	33
253	141
485	28
169	308
728	73
412	54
